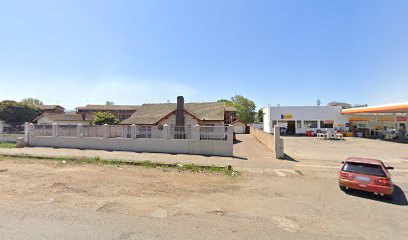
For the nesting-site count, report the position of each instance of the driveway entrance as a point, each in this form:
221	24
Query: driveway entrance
248	146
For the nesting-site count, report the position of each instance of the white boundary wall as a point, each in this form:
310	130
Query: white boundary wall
5	137
273	142
219	146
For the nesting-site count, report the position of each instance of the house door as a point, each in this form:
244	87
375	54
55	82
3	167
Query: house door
291	127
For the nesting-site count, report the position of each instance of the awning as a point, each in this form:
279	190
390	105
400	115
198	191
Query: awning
389	108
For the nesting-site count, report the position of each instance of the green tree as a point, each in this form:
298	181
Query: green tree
32	101
360	105
109	103
342	104
260	115
17	113
346	105
102	118
245	108
227	102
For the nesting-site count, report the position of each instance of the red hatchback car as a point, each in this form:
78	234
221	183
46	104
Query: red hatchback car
365	174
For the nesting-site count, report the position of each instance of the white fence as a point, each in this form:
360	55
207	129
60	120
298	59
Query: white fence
204	140
5	137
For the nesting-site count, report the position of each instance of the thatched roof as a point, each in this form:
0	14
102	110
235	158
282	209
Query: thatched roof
109	107
49	107
153	113
65	117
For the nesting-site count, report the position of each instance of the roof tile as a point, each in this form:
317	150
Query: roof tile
153	113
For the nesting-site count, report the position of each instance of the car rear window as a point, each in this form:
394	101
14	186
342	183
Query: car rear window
364	168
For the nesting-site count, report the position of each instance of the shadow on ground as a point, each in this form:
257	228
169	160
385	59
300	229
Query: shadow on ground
398	197
289	158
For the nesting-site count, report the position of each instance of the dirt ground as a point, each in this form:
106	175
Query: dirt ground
44	199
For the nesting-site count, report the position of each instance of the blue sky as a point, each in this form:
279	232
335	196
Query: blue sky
132	52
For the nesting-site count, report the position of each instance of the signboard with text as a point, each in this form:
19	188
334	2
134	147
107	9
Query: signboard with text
286	116
402	119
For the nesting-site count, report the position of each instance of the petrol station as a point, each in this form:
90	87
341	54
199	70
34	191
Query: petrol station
381	121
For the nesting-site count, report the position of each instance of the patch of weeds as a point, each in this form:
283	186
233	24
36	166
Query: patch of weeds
7	145
191	167
299	172
92	160
147	164
216	169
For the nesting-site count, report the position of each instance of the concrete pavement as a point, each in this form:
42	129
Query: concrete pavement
49	200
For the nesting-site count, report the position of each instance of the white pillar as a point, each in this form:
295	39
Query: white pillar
279	150
267	120
124	131
55	130
79	130
196	132
230	133
105	131
133	131
26	132
166	132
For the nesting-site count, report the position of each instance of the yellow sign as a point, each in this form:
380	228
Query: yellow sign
358	119
286	116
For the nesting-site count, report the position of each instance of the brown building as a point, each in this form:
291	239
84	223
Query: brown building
205	113
122	112
51	109
230	115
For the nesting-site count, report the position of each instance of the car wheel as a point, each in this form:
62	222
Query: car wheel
343	188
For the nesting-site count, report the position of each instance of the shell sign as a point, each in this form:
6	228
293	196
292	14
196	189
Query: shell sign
402	119
286	116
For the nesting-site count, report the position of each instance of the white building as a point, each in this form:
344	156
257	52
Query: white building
239	127
299	120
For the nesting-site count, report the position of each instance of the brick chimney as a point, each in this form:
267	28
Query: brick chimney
179	111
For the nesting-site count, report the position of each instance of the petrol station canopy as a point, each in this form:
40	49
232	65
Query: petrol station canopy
388	108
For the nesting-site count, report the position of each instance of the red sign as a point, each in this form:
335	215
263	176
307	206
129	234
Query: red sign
328	121
402	119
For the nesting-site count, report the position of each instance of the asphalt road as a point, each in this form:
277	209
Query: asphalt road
48	200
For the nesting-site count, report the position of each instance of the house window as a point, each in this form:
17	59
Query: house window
310	124
144	132
299	124
326	125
